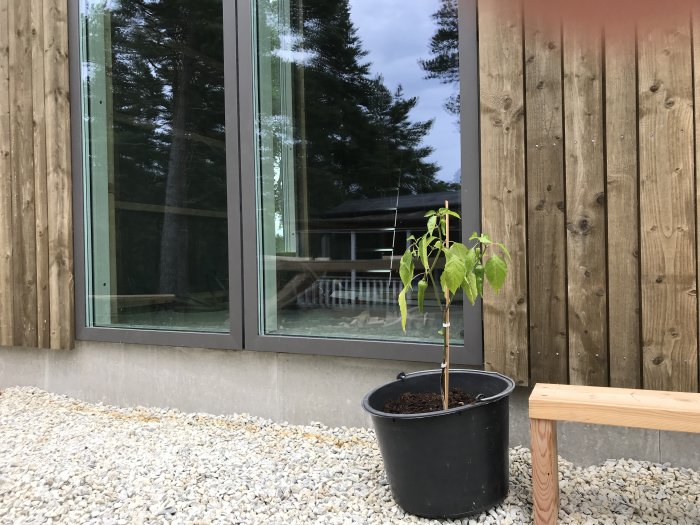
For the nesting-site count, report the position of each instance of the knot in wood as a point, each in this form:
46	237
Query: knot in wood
584	227
657	360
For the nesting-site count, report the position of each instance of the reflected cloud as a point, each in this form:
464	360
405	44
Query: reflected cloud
396	34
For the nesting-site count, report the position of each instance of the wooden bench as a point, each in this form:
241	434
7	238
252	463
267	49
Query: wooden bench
601	406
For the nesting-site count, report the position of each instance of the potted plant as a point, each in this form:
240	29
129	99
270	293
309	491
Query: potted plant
443	434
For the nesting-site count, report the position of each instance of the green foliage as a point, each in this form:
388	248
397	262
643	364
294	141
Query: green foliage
443	63
465	266
359	135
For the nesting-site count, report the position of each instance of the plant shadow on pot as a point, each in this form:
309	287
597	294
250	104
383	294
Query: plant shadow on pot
451	463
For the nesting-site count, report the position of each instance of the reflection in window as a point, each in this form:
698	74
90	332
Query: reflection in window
357	135
154	157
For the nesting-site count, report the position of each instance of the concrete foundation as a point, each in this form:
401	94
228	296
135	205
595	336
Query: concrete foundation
287	387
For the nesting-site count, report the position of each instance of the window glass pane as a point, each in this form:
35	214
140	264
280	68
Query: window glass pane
155	164
357	136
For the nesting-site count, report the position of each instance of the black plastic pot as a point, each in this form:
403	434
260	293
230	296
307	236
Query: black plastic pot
451	463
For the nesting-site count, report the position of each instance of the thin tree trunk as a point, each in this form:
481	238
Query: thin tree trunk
174	274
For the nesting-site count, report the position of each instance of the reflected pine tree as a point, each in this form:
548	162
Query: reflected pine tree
167	85
357	137
443	65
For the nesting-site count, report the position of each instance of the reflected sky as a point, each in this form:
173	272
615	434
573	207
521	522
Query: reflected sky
397	35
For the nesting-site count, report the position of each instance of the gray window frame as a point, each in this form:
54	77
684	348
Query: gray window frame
233	339
243	247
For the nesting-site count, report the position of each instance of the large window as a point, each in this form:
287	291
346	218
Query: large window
357	135
249	172
154	163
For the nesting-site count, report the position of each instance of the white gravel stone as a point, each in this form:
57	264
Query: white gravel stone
65	461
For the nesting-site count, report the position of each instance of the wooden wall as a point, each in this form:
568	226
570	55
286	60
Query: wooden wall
589	176
36	259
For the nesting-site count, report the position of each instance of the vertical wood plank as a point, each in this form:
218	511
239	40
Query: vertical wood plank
41	210
696	80
546	209
585	204
623	208
58	165
22	144
503	181
545	471
6	270
667	206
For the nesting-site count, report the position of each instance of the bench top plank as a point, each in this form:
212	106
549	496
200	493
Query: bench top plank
675	411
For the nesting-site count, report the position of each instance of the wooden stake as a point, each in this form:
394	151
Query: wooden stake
446	325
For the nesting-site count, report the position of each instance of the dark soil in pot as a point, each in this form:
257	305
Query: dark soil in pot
422	402
451	463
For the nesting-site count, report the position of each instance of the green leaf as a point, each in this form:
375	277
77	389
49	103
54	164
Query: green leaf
445	211
471	260
430	213
505	250
432	222
470	288
423	251
422	288
483	238
404	308
453	274
496	270
406	269
459	250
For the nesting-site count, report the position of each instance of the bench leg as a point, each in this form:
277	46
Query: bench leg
545	471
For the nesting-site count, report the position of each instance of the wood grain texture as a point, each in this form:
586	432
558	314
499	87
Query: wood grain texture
6	244
658	410
40	190
667	208
546	203
695	20
585	205
59	184
545	471
623	209
21	143
503	182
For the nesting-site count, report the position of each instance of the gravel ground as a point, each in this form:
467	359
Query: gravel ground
65	461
